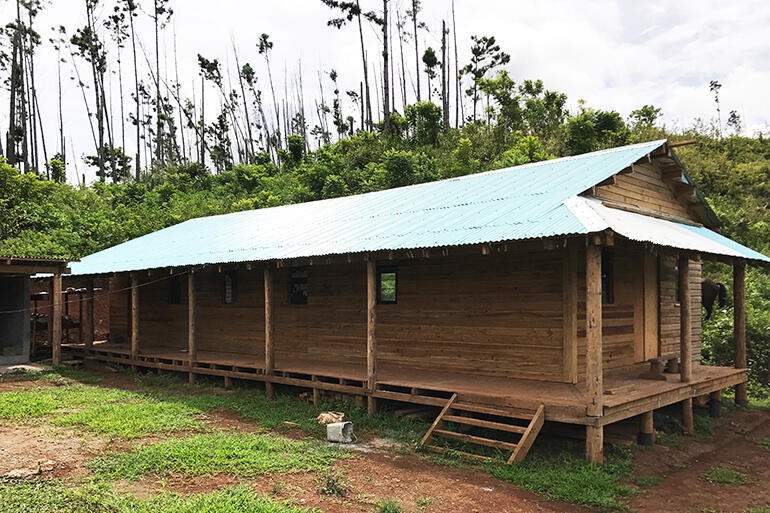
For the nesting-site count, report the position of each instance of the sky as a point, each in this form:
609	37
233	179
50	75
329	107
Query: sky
615	55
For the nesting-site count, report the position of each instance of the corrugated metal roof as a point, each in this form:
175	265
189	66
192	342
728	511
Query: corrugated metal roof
508	204
597	217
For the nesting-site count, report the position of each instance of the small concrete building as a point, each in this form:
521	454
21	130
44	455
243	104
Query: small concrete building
15	319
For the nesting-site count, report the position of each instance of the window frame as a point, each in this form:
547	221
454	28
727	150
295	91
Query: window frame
387	269
232	274
299	280
174	290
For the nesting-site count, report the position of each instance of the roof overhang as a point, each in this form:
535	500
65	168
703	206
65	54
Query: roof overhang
33	265
597	217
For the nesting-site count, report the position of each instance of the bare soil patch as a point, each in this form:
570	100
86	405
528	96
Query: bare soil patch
45	452
733	446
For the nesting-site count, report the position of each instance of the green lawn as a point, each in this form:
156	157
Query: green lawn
243	455
57	497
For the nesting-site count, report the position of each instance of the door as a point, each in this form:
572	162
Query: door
646	325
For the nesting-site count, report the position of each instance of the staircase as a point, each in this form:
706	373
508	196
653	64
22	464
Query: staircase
467	414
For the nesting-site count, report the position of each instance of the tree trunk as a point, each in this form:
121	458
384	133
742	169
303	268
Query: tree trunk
416	47
444	77
458	96
385	68
367	101
136	92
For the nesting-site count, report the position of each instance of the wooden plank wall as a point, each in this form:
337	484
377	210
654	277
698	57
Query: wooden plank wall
645	188
617	318
230	328
331	327
161	325
669	306
119	307
495	315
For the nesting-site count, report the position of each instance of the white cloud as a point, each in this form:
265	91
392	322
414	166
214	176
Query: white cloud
614	54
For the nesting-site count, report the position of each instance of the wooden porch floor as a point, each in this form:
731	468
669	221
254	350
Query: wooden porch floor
624	396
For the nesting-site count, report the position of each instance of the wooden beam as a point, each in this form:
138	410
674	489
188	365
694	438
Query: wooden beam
685	319
647	428
87	322
134	317
269	330
34	269
688	422
595	444
569	315
739	326
648	212
192	351
594	377
686	142
371	333
56	297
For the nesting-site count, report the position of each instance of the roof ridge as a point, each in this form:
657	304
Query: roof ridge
528	165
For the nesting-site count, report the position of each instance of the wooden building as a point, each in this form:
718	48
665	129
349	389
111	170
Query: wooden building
565	290
15	312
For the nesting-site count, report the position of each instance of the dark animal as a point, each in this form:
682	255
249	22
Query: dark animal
711	290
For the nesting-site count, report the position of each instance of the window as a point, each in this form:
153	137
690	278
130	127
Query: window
298	287
387	285
230	295
608	276
175	290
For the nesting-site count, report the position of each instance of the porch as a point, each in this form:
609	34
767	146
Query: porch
624	395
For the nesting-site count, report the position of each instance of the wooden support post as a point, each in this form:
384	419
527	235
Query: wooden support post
715	404
739	326
316	391
371	333
685	319
269	331
192	350
595	444
134	318
55	324
594	377
646	428
688	422
87	322
569	313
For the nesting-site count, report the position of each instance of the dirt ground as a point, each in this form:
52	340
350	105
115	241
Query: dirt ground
41	451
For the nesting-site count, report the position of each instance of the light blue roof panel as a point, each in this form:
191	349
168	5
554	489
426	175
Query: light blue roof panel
508	204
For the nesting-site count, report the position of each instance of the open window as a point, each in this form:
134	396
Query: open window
175	290
608	276
387	285
298	287
230	292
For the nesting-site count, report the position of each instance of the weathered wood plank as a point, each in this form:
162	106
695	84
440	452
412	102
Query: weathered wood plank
594	372
55	323
685	329
269	329
371	333
570	324
739	326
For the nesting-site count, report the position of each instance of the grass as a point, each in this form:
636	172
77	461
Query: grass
41	401
563	475
389	506
133	419
244	455
54	496
725	476
332	482
764	443
56	374
647	481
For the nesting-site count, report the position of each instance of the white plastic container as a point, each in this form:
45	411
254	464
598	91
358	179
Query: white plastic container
341	432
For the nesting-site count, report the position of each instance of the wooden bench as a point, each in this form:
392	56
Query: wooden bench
668	363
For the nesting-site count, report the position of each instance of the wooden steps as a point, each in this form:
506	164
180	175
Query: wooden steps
460	412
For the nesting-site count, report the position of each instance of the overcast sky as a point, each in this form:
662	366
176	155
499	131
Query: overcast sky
612	54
